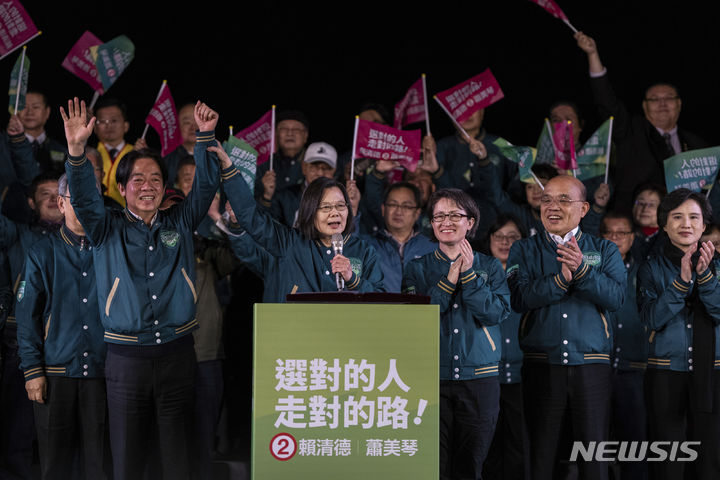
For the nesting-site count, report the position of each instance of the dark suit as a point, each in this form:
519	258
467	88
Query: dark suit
640	147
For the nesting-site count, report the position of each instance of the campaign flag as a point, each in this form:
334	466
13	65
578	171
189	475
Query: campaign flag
523	156
381	142
112	58
565	155
553	9
466	98
163	118
695	169
244	157
79	61
411	108
16	27
545	146
18	83
592	158
259	136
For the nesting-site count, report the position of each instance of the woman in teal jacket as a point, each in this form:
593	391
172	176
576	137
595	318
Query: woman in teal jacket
306	261
680	306
474	300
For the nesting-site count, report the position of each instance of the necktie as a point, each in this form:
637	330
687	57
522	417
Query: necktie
113	152
35	147
668	143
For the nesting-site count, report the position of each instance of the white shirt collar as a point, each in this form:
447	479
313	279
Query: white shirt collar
118	147
40	138
563	240
139	218
672	132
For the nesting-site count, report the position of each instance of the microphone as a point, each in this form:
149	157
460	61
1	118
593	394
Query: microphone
337	244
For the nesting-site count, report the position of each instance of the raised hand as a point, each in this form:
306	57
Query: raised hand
707	251
429	155
354	195
15	126
586	43
225	161
477	148
77	128
269	183
205	117
602	195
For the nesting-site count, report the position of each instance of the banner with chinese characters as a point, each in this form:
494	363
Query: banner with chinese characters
163	118
412	108
346	391
79	61
16	27
244	157
259	136
523	156
112	58
466	98
381	142
695	169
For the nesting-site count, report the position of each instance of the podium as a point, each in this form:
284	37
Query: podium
346	385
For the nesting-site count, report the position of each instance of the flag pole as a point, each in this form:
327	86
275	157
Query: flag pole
95	97
427	111
21	45
537	180
607	152
272	136
352	153
231	131
567	22
573	156
550	133
162	87
457	125
19	82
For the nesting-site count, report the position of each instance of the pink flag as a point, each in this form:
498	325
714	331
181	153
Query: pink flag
464	99
381	142
552	8
259	136
565	156
411	108
16	27
163	118
80	62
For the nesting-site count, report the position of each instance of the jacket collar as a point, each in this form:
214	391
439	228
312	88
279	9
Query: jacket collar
72	238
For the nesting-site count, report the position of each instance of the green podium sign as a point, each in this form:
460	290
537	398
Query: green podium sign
345	391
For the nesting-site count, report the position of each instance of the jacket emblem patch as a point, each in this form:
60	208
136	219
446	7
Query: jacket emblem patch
169	238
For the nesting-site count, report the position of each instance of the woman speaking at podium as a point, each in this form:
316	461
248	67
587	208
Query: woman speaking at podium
474	299
304	259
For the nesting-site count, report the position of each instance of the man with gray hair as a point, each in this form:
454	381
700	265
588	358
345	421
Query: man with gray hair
61	348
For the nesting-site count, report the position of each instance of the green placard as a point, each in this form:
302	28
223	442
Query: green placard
347	391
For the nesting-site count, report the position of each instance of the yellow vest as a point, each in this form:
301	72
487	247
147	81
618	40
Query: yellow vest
109	169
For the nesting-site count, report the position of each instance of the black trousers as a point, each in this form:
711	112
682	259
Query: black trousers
671	418
468	414
17	427
70	428
208	401
551	391
151	399
628	417
508	456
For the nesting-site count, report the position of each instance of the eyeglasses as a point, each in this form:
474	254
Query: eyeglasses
111	121
642	205
620	235
562	200
328	207
291	131
454	217
654	100
405	207
499	237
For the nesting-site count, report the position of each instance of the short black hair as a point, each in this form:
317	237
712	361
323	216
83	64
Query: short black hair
462	200
660	190
676	198
104	102
571	104
296	115
616	215
544	170
500	221
42	95
127	162
311	198
660	84
379	108
44	177
404	184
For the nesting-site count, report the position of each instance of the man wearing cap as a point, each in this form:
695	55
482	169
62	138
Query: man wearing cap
319	160
291	133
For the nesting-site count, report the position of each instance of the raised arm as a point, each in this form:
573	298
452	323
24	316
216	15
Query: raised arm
85	197
21	154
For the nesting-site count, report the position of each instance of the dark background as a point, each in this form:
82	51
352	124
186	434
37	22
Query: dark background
326	60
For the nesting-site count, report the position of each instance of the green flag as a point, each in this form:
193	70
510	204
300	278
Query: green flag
696	169
544	147
592	170
19	77
112	58
523	156
595	149
244	157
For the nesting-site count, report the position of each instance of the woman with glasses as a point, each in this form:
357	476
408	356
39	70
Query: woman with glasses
649	238
306	260
474	300
506	458
680	308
